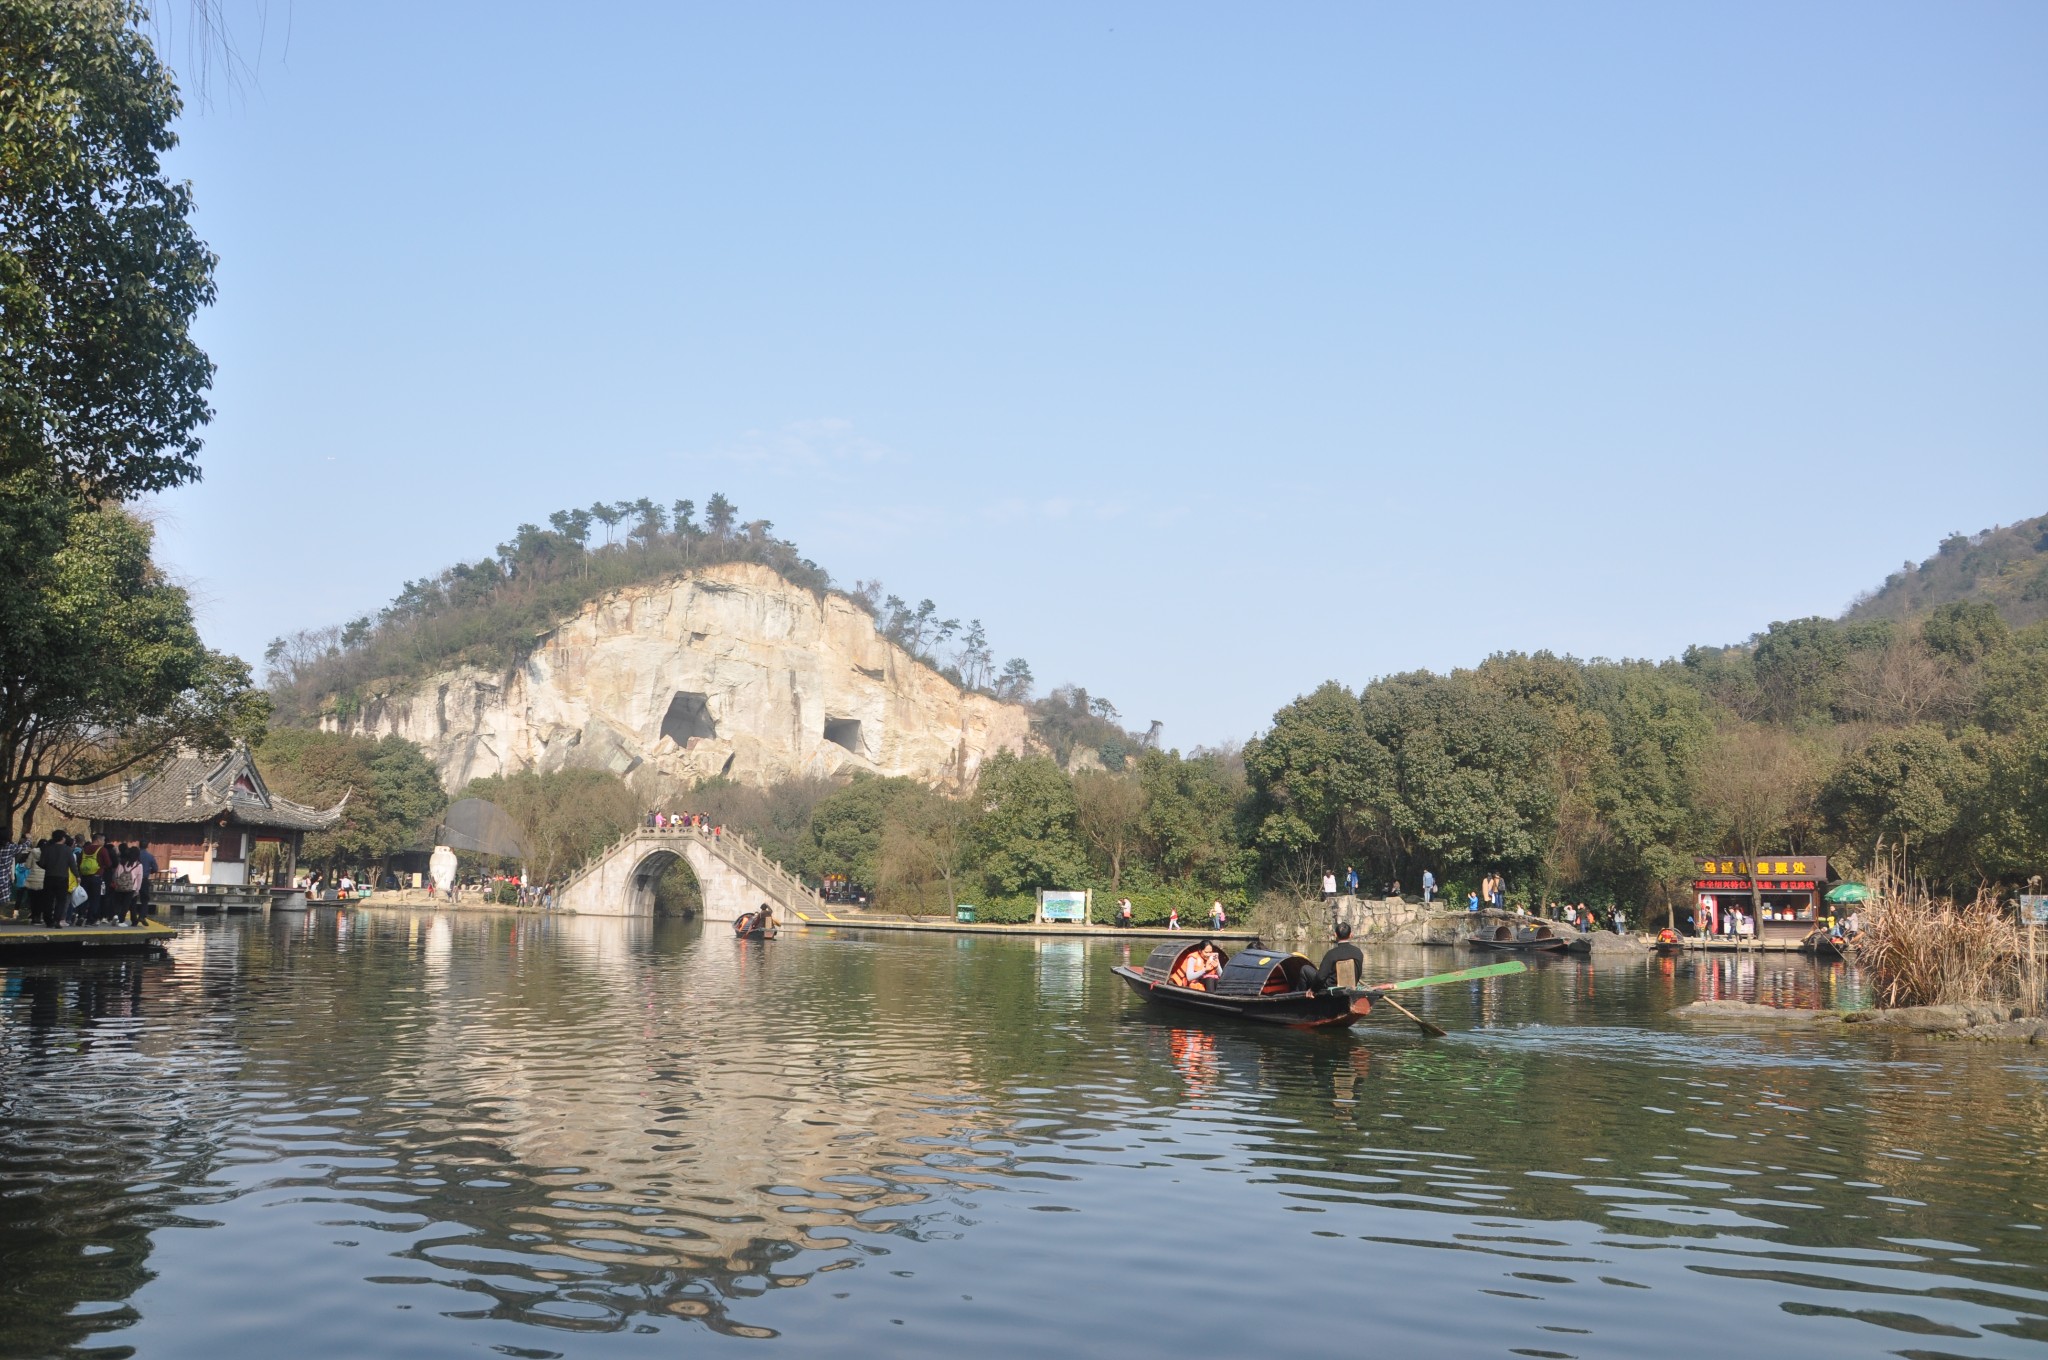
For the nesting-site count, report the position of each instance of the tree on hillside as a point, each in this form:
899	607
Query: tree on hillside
1473	782
564	817
1013	686
1317	773
1190	825
1911	788
609	516
1755	785
1110	812
1024	837
101	274
720	515
394	793
847	827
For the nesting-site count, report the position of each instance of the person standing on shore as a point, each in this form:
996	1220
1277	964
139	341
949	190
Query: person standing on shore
56	858
1428	886
1329	883
1216	915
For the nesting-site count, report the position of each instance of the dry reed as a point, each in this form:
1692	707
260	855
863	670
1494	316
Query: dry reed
1928	951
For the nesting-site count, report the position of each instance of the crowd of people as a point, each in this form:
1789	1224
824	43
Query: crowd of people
64	881
683	821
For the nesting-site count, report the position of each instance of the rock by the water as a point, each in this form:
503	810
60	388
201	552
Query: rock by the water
1753	1012
1938	1019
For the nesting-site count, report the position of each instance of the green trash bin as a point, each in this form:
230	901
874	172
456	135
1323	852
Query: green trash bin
964	914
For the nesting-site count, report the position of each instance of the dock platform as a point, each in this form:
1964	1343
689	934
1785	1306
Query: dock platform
22	941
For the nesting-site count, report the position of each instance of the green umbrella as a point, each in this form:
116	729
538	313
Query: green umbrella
1848	893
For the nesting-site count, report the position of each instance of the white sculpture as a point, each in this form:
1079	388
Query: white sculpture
441	868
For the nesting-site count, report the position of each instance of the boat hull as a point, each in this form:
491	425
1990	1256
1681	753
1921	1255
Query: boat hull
1297	1010
1517	946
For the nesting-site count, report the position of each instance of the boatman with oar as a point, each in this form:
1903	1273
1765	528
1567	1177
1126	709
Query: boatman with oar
1325	973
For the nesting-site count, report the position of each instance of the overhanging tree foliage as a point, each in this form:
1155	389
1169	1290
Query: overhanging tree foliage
101	668
101	273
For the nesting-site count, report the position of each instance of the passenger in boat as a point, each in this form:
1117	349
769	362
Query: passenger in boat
766	919
1203	966
1324	974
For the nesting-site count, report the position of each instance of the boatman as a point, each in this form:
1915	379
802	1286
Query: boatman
1324	974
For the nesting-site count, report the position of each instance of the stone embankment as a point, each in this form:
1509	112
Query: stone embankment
1974	1020
1395	920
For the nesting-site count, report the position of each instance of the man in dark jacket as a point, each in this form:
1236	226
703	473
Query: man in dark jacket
1324	974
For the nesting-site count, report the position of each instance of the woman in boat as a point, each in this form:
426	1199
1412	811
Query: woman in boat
1199	967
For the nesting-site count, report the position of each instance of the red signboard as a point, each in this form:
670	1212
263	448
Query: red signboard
1742	884
1769	869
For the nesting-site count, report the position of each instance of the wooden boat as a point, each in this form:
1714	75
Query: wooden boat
1520	939
1823	945
750	926
1256	984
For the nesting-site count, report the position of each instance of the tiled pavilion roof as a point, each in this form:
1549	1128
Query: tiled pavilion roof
193	789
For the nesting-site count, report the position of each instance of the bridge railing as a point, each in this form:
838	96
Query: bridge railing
732	847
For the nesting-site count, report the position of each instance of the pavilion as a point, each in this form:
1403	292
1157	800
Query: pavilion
202	816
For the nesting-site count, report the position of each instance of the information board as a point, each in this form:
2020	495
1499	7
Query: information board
1058	905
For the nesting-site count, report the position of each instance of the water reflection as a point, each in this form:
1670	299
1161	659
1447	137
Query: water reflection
545	1135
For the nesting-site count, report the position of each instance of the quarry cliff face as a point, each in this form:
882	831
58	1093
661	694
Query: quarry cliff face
729	670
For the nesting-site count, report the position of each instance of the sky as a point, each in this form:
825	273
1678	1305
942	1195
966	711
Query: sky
1205	353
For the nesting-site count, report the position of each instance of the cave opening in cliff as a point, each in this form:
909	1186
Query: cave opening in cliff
844	732
689	715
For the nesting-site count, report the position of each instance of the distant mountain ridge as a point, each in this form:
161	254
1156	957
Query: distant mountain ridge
2006	565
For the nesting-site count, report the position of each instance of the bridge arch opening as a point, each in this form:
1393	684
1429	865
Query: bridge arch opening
668	886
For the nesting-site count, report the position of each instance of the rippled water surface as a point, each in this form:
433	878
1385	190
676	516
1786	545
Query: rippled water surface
399	1135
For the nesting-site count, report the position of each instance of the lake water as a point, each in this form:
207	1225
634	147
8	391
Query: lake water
397	1135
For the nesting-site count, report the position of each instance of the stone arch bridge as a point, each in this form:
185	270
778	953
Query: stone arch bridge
734	876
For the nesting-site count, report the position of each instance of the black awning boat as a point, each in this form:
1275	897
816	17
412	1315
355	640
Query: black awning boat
1257	984
752	926
1519	939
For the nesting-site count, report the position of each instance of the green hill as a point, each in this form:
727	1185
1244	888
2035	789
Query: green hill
2006	566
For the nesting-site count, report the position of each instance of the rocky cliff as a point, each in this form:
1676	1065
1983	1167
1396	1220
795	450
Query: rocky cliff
728	670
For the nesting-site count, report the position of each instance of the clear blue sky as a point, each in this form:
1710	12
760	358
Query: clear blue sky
1205	353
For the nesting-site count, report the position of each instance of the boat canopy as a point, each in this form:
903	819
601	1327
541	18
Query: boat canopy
1257	972
1159	967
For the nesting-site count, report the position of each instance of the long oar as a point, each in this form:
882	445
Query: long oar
1433	1031
1462	975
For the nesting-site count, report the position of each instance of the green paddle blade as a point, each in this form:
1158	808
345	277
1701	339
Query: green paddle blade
1462	975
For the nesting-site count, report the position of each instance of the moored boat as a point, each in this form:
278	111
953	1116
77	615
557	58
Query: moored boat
1255	984
1520	939
1824	944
